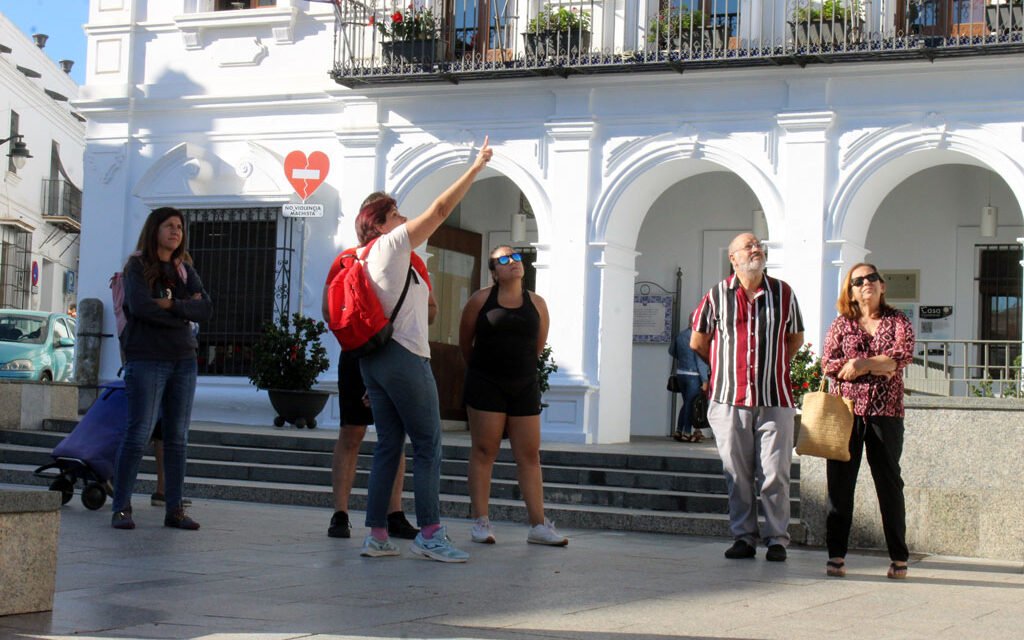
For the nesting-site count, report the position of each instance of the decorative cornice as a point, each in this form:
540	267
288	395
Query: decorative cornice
193	26
806	121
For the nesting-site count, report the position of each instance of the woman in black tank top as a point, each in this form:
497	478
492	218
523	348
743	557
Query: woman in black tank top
503	331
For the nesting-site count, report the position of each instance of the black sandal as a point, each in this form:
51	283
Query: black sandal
835	569
897	571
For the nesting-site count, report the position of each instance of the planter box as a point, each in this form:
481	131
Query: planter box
29	525
547	44
1003	19
826	33
418	52
297	407
703	39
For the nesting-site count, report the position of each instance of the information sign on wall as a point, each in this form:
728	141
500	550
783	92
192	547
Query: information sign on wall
652	318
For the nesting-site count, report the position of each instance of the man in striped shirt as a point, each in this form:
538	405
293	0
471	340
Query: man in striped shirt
748	327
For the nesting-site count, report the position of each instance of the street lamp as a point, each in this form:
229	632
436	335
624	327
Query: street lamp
19	151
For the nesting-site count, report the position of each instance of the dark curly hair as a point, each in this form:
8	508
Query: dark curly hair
149	243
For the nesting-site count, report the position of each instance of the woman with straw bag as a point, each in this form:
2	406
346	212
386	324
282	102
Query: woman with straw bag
866	348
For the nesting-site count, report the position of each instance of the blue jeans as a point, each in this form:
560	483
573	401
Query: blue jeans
155	388
690	388
403	396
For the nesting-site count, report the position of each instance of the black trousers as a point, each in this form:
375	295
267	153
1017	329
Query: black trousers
882	436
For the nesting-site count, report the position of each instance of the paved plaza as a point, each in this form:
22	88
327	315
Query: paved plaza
270	572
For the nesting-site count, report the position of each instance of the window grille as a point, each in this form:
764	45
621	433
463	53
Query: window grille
244	257
15	256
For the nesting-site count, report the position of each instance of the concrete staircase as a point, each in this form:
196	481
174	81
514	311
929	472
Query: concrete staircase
653	486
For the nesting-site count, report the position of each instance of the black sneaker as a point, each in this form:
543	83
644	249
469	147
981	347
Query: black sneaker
177	519
340	527
399	527
741	549
776	553
122	519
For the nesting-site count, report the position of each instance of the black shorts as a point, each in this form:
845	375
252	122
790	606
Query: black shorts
351	392
514	397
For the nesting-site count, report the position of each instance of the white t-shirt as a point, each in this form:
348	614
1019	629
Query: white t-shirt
388	263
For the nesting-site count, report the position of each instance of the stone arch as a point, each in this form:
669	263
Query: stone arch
649	169
420	167
876	169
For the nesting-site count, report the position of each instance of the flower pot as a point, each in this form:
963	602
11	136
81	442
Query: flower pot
547	44
826	33
418	52
297	407
1003	18
698	39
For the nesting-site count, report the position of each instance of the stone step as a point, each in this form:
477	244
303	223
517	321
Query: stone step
452	506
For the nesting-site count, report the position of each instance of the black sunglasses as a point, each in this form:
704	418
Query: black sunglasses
503	260
871	277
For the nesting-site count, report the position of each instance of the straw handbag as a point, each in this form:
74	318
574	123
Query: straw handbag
825	426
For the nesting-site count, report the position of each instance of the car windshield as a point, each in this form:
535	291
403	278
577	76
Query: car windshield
25	329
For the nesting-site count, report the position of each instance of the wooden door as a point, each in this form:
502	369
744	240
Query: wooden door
455	274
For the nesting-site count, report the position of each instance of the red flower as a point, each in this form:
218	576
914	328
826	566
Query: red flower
396	17
807	385
372	20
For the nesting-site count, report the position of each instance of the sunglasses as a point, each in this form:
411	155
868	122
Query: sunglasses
871	277
503	260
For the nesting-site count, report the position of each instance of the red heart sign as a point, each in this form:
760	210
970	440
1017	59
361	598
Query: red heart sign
306	174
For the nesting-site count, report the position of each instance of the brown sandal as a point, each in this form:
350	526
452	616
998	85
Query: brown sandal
696	436
897	571
835	569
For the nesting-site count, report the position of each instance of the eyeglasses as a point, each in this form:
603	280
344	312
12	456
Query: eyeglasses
512	257
757	244
871	277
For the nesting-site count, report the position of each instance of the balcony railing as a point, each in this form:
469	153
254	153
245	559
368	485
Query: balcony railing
442	40
984	368
62	205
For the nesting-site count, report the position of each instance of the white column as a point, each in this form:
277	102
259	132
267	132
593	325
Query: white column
803	166
564	281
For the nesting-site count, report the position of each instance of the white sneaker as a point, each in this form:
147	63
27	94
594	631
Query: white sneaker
373	548
482	531
437	548
546	534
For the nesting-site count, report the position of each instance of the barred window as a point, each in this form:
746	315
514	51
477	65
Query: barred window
15	258
244	258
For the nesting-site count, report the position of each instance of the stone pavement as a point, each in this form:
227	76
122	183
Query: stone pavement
270	572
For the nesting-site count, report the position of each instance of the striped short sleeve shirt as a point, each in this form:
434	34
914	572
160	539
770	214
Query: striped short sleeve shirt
748	342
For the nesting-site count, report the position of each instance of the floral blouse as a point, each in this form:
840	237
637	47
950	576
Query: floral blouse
872	395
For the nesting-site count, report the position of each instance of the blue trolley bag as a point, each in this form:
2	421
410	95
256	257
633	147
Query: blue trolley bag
96	438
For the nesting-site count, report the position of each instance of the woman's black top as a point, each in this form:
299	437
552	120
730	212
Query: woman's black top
153	333
505	344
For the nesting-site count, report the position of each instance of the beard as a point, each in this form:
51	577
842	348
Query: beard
751	265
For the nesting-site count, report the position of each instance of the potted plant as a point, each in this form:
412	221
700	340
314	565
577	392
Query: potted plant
409	36
286	361
834	22
804	373
683	29
557	31
1005	16
545	367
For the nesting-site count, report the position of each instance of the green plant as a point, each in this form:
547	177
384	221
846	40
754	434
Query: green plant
289	355
804	373
829	11
559	18
1010	388
545	367
671	23
409	24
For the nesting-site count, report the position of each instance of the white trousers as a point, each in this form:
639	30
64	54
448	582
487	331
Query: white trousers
756	447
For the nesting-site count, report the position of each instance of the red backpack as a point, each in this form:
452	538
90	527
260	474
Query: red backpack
356	316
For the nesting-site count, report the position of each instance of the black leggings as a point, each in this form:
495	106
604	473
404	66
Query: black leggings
882	436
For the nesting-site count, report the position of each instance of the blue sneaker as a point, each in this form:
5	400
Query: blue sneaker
373	548
438	548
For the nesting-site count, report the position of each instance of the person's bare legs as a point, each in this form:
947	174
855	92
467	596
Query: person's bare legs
485	429
524	436
344	463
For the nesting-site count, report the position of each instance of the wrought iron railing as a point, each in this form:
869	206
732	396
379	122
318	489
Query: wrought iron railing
984	368
62	199
383	41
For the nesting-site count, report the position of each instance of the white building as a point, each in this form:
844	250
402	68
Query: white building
881	138
40	203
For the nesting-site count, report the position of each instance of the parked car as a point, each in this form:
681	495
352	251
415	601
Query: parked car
36	345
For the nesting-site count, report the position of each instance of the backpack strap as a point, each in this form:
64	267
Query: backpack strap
405	289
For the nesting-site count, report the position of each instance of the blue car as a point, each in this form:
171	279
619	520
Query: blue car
36	345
